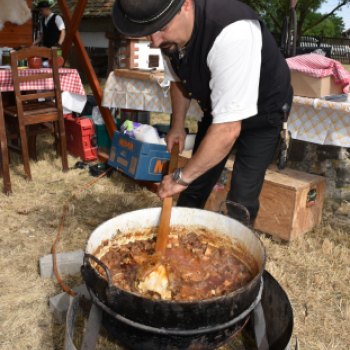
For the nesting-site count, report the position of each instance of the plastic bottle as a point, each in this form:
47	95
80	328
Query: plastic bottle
128	127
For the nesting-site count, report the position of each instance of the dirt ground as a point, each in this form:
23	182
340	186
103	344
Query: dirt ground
314	269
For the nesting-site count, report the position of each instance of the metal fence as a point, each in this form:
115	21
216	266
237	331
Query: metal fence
340	46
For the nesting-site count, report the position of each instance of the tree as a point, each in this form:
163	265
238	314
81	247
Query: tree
274	12
332	26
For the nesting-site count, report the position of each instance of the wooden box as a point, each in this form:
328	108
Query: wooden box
291	201
304	85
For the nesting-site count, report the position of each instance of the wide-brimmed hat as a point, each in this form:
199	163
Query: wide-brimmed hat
137	18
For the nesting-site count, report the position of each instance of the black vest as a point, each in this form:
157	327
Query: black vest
50	32
211	17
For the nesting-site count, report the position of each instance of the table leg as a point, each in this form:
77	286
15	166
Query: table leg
4	152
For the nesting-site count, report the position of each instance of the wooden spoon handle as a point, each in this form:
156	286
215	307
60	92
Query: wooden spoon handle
164	224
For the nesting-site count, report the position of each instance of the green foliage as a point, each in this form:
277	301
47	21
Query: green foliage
331	27
273	14
35	3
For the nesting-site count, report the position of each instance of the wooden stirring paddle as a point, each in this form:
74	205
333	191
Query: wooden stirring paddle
164	224
153	277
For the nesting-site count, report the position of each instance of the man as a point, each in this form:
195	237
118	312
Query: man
222	55
52	28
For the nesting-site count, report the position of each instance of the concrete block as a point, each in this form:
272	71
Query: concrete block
68	263
59	303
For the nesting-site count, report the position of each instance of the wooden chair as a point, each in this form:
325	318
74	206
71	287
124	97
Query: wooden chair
32	117
4	157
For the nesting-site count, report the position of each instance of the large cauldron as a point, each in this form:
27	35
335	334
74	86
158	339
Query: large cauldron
173	315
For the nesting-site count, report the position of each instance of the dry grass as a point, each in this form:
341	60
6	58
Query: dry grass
346	66
314	269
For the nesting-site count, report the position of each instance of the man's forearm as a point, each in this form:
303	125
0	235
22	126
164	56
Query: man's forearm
215	146
38	40
62	36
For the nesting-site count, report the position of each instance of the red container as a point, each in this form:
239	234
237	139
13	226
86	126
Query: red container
81	137
34	62
60	61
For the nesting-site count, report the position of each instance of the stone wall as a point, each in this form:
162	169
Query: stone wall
329	161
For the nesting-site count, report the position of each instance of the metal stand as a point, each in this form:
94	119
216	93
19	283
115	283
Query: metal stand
270	325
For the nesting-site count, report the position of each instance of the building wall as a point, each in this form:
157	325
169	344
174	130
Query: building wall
94	39
144	53
103	24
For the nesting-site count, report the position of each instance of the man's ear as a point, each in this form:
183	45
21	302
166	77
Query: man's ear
187	6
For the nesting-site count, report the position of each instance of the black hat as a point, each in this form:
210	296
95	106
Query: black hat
137	18
43	4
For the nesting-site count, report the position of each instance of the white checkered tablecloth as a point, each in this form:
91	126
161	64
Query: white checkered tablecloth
319	121
69	79
311	120
143	95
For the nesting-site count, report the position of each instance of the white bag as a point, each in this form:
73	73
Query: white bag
96	116
146	133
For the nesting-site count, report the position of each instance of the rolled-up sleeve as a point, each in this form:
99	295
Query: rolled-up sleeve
235	63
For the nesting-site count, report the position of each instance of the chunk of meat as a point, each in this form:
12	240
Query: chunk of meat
188	274
174	280
193	239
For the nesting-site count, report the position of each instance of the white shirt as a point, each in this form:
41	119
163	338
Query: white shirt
58	20
234	62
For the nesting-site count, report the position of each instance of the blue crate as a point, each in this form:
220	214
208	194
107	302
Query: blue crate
139	160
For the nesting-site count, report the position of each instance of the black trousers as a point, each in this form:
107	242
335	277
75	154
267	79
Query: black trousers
256	146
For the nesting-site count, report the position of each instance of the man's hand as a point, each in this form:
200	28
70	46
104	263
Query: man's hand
168	187
176	135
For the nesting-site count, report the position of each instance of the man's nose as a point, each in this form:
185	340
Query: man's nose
156	39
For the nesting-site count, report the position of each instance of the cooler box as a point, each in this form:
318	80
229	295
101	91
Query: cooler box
103	139
80	137
139	160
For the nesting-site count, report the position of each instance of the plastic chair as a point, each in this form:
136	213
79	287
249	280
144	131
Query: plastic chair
31	117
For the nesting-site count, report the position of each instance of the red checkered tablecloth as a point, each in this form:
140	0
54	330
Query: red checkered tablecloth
69	79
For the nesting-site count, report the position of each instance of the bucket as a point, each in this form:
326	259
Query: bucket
142	117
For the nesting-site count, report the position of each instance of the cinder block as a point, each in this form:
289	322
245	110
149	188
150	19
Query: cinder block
68	263
59	303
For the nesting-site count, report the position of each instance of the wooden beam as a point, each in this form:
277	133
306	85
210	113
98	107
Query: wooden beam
73	27
89	71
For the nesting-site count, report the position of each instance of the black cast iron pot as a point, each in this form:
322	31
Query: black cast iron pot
174	314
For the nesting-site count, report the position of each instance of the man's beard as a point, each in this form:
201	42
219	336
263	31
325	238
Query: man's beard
169	51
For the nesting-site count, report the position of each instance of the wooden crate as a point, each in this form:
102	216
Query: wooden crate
285	211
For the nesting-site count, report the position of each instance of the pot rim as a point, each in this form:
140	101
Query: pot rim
237	291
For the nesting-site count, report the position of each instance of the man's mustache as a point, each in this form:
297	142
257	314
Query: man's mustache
166	43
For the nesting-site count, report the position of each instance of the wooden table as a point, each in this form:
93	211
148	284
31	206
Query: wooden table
143	91
319	121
